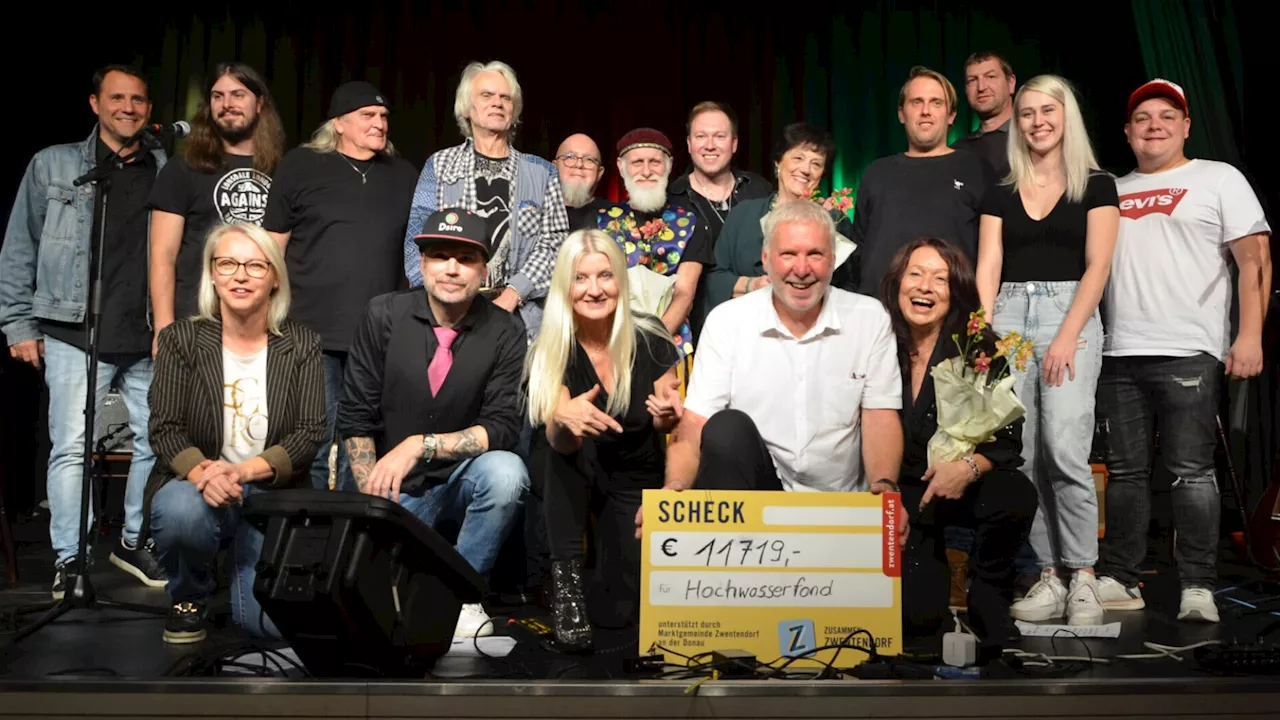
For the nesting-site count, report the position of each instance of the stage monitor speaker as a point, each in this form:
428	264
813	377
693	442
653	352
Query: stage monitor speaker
357	585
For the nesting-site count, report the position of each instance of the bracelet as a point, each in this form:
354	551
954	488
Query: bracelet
519	297
886	481
973	465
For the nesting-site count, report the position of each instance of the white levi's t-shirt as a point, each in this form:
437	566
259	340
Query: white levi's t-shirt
244	405
1170	288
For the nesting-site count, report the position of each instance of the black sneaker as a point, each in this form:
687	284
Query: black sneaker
140	563
185	624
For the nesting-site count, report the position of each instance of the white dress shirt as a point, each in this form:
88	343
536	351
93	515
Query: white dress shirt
805	394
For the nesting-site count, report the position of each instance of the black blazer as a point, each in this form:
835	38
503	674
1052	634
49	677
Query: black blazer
186	400
920	422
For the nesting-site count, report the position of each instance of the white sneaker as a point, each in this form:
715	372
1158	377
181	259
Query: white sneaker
1084	607
473	621
1198	606
1045	600
1115	596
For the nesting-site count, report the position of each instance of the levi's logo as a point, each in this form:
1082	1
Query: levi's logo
1139	205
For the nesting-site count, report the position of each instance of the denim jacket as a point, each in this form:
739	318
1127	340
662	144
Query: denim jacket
44	263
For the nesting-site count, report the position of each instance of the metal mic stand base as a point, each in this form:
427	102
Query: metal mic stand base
79	594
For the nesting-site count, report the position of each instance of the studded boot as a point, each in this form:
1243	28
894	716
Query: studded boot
569	607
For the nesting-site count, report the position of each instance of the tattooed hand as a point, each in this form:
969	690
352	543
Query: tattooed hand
363	457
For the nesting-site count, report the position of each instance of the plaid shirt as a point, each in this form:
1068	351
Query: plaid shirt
539	221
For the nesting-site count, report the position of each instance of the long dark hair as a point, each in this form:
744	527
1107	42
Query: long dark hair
203	150
964	298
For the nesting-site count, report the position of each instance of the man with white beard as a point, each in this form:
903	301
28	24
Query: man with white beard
581	167
668	241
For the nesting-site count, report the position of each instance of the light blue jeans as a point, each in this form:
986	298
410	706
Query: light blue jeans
188	534
64	373
486	494
1058	435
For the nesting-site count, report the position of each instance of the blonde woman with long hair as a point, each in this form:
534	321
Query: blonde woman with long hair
1044	254
593	375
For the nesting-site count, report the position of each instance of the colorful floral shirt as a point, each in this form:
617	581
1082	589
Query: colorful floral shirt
659	241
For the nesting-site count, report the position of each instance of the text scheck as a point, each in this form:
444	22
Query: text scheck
723	512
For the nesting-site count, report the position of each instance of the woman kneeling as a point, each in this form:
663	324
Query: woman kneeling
930	292
237	407
590	373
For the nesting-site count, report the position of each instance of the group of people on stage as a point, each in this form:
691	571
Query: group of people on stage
487	338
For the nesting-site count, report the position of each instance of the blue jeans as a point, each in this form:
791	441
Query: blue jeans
1058	435
64	373
486	494
335	365
1179	397
188	533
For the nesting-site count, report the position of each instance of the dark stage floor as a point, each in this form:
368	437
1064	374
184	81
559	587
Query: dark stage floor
88	646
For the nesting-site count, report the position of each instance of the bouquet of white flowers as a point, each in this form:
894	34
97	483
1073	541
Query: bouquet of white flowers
973	405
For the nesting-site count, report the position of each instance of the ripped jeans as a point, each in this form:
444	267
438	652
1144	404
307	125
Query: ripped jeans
1178	397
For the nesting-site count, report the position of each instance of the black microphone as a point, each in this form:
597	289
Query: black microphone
178	129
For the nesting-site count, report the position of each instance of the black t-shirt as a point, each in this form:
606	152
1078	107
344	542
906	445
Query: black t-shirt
902	198
347	222
237	193
493	196
636	455
1052	248
584	218
993	146
123	327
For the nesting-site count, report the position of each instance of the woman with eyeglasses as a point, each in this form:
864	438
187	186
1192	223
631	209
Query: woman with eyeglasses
237	407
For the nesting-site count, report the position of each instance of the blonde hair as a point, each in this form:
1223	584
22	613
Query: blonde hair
549	357
326	137
1078	159
462	100
920	71
209	303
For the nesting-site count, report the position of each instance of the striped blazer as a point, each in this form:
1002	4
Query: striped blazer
186	401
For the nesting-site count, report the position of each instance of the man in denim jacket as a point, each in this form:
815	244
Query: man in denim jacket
519	195
44	283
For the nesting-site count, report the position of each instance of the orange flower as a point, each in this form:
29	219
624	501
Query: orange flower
976	322
982	364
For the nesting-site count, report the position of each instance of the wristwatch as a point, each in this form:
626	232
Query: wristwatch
429	442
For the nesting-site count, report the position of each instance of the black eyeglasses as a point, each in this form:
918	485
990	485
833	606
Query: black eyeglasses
577	161
227	267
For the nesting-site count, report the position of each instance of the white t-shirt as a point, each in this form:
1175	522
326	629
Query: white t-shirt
244	405
805	395
1170	288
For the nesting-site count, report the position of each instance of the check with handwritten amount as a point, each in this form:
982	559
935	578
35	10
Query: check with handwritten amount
778	574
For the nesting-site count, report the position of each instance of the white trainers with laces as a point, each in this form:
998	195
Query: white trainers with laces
1198	606
1084	607
473	621
1115	596
1045	600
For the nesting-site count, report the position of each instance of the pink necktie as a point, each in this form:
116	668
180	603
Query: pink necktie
443	360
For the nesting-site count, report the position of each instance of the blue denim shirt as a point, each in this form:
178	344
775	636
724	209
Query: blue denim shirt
44	263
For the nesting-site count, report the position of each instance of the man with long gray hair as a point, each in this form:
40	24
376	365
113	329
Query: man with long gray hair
517	194
337	207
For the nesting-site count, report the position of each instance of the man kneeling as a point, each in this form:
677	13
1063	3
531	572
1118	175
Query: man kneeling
788	379
431	409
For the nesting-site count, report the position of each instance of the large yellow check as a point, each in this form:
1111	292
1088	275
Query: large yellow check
777	574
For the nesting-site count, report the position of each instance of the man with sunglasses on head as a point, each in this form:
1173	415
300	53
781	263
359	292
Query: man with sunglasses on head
580	166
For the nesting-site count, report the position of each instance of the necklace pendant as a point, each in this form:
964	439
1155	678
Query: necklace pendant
363	180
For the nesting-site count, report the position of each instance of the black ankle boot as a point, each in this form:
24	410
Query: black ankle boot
569	607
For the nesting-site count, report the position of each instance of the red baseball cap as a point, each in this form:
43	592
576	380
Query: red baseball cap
1159	88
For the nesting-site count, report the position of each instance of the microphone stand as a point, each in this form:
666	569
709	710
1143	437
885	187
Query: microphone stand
79	592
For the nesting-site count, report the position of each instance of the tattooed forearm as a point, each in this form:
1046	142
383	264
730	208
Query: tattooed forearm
363	457
467	443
